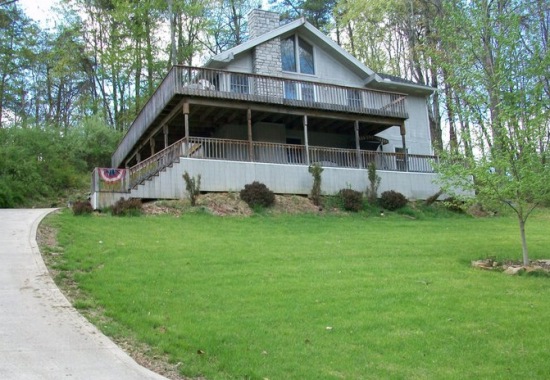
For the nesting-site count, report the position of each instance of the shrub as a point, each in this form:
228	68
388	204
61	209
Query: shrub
454	205
193	187
374	183
127	207
351	200
316	171
257	194
392	200
82	208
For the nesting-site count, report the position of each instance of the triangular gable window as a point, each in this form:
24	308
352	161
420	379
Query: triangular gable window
297	55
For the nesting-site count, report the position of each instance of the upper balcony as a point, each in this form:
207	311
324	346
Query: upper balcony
257	89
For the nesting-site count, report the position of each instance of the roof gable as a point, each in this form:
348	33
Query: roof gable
303	27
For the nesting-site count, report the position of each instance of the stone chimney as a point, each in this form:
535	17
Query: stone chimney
260	22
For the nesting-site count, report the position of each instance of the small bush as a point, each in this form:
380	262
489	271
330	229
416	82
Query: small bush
374	183
351	200
316	171
392	200
257	194
454	205
127	207
82	208
193	187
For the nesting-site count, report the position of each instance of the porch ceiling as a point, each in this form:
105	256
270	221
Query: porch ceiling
204	118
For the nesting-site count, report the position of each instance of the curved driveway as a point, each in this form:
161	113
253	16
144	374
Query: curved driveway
41	335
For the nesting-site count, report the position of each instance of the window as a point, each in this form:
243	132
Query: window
239	83
308	92
299	91
306	57
290	56
354	98
290	90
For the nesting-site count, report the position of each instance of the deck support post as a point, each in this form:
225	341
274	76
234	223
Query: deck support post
249	126
186	126
357	145
165	131
306	142
152	145
405	152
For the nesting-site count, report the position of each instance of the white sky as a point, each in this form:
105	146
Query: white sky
39	10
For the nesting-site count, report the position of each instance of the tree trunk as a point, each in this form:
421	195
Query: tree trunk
523	240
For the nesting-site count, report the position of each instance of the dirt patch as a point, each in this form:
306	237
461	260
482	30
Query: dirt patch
513	267
229	204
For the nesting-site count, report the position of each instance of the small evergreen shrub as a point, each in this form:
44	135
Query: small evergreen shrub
193	187
374	183
351	200
392	200
257	194
316	171
82	208
127	207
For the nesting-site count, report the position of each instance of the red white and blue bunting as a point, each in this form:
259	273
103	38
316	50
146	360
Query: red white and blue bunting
111	175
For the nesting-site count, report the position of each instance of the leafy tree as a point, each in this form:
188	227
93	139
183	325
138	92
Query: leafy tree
228	26
18	40
320	13
499	73
396	37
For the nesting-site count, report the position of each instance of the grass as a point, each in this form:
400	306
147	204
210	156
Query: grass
316	297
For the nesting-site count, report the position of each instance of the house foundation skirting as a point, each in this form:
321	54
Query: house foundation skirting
231	176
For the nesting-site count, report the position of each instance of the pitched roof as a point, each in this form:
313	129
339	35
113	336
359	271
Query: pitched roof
371	79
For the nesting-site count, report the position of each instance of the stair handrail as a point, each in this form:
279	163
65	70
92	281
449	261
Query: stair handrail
153	165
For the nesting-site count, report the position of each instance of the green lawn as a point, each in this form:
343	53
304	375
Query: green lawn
317	297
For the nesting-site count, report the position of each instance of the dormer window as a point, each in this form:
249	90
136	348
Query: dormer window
297	55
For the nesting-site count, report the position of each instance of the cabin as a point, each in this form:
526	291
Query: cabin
287	98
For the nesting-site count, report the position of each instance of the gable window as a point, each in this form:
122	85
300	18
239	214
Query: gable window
239	83
297	55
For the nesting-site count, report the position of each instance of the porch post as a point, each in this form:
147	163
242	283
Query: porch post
306	142
165	131
249	126
152	145
357	145
406	154
186	125
138	157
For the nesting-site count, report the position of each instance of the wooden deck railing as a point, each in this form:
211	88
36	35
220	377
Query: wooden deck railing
277	90
290	154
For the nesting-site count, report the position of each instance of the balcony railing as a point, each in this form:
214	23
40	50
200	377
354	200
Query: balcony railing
277	90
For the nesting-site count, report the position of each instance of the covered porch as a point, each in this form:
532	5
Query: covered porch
273	153
207	103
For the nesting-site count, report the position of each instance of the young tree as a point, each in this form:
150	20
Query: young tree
499	72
